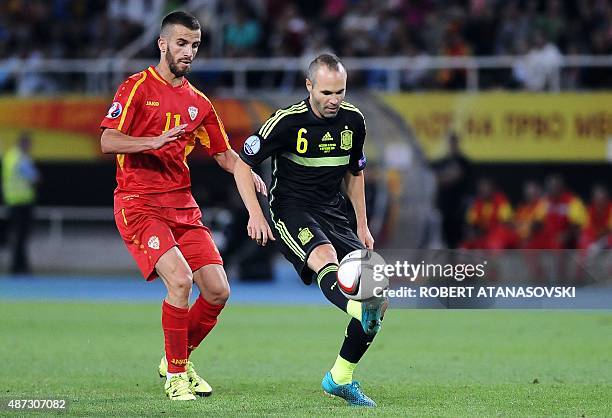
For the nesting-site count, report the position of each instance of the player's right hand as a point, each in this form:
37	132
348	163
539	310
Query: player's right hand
259	230
168	136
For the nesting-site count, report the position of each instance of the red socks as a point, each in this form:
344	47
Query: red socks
184	329
175	322
202	319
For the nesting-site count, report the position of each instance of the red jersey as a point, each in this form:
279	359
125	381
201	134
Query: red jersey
487	214
527	214
562	212
599	219
145	105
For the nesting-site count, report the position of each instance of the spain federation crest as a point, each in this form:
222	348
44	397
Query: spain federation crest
305	235
346	139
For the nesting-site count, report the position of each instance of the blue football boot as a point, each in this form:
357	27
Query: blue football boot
372	311
350	392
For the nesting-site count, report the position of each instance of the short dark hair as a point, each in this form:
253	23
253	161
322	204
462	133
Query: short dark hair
331	61
180	18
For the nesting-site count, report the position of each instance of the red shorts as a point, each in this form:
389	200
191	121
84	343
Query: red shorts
150	231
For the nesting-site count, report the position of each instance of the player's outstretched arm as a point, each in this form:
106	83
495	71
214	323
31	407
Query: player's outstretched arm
257	228
355	190
114	141
227	161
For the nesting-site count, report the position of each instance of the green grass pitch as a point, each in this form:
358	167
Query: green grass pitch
269	360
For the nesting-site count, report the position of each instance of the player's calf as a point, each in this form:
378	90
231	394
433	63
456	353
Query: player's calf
369	312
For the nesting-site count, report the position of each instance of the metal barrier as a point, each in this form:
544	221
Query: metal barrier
104	74
58	216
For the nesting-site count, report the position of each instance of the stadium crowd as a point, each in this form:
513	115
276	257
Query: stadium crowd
548	217
538	31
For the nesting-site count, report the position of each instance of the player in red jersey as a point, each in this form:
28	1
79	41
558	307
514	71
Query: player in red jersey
152	125
597	231
564	216
531	211
488	220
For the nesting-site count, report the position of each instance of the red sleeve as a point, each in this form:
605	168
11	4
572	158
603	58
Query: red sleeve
125	104
211	133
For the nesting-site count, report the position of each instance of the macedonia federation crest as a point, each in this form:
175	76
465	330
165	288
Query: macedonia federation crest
346	139
154	242
193	112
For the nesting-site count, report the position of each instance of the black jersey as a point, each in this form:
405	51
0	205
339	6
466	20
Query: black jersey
310	155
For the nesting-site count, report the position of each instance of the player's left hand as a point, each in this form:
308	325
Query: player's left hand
260	186
363	232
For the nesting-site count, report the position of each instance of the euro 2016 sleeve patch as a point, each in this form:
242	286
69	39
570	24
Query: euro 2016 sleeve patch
252	145
362	161
114	111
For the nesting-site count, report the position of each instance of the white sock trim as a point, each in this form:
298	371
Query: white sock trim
171	375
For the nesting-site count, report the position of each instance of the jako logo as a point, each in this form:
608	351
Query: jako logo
179	361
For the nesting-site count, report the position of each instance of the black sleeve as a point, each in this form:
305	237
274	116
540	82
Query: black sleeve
358	159
271	138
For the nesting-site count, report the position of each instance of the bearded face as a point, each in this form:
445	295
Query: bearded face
181	46
178	66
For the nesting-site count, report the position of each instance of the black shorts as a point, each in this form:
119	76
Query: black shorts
299	230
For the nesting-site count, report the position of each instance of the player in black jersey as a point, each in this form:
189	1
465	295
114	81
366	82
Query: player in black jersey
315	145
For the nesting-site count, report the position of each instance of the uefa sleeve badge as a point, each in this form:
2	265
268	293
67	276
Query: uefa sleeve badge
114	110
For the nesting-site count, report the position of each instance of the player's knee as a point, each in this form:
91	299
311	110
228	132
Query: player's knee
220	294
180	283
323	254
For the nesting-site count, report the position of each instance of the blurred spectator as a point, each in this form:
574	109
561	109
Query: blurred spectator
531	211
417	76
537	69
489	220
597	231
316	44
8	70
358	28
335	9
512	30
552	23
480	29
289	34
416	12
31	80
242	34
564	215
142	13
19	178
454	46
453	173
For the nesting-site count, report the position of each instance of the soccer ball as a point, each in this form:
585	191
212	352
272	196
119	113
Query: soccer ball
359	278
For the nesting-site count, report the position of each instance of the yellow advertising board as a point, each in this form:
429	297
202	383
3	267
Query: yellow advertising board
512	127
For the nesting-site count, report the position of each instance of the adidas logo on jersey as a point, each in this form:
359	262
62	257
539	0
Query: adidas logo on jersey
327	137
